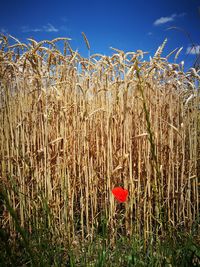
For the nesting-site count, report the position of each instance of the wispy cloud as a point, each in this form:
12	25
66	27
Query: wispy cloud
3	30
65	29
164	20
50	28
45	28
193	50
64	19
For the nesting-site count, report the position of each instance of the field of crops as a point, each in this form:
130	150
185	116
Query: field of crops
72	129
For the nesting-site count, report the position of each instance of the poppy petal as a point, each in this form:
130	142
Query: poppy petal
120	194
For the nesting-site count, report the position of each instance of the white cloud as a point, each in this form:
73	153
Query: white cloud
164	20
193	50
149	33
45	28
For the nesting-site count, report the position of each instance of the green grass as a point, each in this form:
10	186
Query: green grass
44	247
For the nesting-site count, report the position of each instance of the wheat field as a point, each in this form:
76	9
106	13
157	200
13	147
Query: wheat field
72	128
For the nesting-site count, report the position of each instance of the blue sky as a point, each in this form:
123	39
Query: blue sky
127	25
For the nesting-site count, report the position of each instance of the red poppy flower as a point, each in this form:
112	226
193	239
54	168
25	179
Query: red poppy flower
120	194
